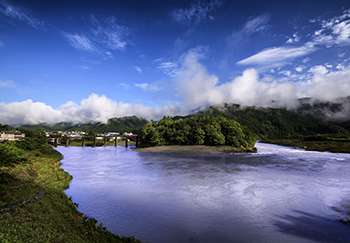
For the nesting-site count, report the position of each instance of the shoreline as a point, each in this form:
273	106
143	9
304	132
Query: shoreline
333	146
194	149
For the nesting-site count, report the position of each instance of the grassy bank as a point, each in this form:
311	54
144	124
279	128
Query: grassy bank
331	145
52	217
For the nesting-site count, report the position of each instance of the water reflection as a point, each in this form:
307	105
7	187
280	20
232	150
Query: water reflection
313	227
262	197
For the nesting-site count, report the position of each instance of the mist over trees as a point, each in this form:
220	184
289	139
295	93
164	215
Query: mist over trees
196	130
274	123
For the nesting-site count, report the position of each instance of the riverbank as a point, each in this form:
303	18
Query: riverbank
34	207
195	149
334	146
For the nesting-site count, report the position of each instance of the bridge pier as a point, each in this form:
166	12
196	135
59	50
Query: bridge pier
116	142
94	144
67	142
56	141
105	140
83	142
126	142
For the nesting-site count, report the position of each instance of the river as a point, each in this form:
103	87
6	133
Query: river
276	195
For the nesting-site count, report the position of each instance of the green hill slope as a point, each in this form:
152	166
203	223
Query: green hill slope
275	123
122	124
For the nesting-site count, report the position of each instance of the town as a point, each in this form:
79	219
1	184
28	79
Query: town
56	138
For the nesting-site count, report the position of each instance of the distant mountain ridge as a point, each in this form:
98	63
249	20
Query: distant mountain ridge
121	124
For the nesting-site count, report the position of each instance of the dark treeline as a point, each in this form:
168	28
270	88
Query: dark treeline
196	130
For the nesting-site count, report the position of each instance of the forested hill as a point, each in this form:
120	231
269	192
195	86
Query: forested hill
122	124
337	111
275	123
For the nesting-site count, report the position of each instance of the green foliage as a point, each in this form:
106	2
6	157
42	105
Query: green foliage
274	123
10	154
33	140
208	130
6	127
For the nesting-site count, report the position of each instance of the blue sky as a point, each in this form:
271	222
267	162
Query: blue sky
92	60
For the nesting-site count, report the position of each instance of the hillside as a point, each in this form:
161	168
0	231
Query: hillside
337	112
275	123
122	124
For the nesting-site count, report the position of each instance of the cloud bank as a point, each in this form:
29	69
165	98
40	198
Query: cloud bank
95	108
194	86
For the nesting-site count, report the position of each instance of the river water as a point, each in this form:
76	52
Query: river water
277	195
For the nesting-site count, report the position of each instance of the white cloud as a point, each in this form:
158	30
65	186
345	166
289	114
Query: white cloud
318	69
197	87
12	12
252	26
335	31
340	66
148	87
108	32
197	13
294	39
2	44
28	112
138	69
277	56
104	33
124	85
300	68
330	86
96	108
81	42
109	55
169	68
7	84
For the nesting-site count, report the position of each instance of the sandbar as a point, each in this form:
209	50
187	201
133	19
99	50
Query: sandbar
195	149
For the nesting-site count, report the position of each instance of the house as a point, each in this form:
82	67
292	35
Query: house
10	136
127	134
112	134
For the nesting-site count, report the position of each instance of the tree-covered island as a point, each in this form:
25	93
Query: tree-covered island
196	130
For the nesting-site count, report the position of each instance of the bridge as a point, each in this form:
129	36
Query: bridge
54	140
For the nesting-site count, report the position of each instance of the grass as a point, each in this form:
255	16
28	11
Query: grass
52	217
331	145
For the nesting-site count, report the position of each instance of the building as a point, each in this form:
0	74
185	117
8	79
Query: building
112	134
10	136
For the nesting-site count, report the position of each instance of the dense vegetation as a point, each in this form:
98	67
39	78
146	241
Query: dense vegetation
122	124
275	123
197	130
29	167
337	111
